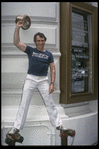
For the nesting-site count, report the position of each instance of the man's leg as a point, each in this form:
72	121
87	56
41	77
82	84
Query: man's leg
13	135
28	91
52	111
43	87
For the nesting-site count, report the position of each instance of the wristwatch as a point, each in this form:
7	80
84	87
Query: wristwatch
53	83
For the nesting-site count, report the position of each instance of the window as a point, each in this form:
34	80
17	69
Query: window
78	36
81	57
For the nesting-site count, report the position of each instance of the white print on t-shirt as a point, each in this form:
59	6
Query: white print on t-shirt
40	55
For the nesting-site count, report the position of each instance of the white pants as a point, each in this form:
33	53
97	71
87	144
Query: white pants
31	83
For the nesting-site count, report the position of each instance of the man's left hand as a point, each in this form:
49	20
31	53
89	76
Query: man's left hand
51	88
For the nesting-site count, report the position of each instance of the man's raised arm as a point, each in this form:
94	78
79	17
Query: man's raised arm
17	42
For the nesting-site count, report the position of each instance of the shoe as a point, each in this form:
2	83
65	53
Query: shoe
62	128
12	131
69	132
12	139
13	136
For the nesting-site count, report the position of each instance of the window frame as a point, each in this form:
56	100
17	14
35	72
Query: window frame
66	97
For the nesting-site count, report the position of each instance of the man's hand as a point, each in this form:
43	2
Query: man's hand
51	88
19	24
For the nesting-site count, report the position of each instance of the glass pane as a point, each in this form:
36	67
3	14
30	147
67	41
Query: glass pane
81	58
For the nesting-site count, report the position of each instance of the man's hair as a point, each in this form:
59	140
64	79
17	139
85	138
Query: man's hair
41	35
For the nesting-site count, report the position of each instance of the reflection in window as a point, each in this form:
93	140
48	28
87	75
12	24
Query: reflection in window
81	58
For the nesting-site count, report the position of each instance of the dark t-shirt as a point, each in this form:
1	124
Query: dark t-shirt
38	61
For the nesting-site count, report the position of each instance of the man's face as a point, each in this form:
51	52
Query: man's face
40	42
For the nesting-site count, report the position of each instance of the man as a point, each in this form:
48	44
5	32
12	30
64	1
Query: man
39	61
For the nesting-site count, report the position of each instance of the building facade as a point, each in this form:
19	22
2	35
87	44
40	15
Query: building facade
45	17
